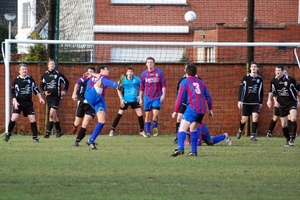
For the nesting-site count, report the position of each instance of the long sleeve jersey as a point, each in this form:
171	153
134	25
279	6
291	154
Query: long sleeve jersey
196	93
22	88
285	89
251	90
152	83
52	81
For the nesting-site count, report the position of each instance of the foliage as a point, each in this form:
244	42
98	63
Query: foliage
37	52
133	167
184	58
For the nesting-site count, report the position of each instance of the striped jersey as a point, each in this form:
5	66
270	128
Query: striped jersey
152	83
251	90
196	93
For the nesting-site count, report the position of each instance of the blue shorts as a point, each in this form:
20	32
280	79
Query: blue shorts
150	104
190	115
204	134
95	100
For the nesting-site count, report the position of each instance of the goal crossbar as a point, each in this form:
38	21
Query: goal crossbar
8	42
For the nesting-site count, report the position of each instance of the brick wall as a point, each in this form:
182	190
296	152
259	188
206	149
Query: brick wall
222	81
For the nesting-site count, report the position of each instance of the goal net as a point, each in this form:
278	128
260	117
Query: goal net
220	64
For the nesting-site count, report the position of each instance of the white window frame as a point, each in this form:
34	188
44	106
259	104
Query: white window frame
26	22
206	54
164	2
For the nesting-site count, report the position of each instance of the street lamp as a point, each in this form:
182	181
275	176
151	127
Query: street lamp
9	17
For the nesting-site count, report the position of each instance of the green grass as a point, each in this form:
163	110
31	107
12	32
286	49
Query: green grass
132	167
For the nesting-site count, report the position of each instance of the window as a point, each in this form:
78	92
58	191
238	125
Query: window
148	1
206	54
26	15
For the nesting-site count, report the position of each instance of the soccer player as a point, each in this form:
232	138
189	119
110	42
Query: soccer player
195	91
276	116
182	106
285	89
84	112
129	97
204	134
51	87
21	90
94	94
153	91
250	99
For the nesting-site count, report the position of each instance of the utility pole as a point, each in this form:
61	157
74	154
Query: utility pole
56	31
250	50
51	28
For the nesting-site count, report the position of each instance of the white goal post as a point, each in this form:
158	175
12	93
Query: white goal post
7	53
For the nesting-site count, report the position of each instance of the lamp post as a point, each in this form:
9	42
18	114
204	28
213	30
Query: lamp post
9	17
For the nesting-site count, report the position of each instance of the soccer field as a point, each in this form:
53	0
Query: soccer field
133	167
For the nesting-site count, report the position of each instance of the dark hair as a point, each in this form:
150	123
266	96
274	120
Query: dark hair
103	67
191	69
90	67
280	67
130	68
254	63
150	58
23	64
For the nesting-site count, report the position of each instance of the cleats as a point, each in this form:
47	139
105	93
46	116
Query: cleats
35	140
59	134
7	137
269	134
120	82
286	144
239	134
76	144
176	140
253	138
227	139
46	135
155	132
111	133
192	154
143	134
292	142
177	152
92	145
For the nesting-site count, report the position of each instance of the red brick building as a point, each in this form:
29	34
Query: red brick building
156	20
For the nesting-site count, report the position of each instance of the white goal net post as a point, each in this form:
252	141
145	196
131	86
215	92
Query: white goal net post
203	51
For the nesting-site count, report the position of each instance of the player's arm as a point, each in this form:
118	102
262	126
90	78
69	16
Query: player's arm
66	85
75	90
241	92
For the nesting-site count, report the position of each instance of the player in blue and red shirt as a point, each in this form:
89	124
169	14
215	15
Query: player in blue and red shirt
94	94
153	91
197	95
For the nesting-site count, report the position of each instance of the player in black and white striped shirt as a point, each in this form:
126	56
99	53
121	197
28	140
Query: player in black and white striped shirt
21	90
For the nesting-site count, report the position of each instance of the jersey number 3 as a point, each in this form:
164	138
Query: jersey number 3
197	88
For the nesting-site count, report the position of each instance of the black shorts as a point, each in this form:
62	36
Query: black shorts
285	110
199	118
26	107
134	105
276	111
84	109
247	110
182	108
53	101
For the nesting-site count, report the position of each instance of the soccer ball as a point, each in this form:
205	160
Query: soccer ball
190	16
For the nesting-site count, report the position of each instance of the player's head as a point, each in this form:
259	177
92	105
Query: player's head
191	69
23	69
285	71
279	70
150	62
51	64
253	67
186	64
90	69
129	72
104	69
